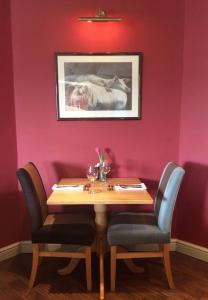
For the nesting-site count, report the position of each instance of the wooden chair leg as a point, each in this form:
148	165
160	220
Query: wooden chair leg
113	267
35	263
101	267
88	268
166	260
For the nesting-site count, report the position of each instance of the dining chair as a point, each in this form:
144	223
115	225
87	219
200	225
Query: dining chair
126	230
167	171
53	229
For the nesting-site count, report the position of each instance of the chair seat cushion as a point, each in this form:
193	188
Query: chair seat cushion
128	229
74	234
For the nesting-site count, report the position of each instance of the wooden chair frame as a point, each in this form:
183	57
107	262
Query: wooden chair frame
119	253
38	253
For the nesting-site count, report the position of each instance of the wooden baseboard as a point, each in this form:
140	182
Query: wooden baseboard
25	247
173	244
192	250
15	249
176	245
10	251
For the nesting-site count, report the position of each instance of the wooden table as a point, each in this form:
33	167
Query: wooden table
99	200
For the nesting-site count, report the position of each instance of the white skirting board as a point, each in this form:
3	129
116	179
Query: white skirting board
176	245
192	250
15	249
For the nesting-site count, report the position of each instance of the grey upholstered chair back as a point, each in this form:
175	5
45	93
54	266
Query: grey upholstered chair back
169	199
162	185
34	194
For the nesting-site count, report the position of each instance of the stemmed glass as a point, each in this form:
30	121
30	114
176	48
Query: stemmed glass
92	175
105	169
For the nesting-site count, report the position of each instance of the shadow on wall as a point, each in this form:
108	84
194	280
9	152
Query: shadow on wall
152	189
111	158
192	205
63	170
69	170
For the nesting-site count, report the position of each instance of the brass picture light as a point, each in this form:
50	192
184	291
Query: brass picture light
100	16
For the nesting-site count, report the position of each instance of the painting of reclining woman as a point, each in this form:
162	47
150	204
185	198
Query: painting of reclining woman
98	86
93	87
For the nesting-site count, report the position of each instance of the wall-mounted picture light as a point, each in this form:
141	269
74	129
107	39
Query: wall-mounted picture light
100	16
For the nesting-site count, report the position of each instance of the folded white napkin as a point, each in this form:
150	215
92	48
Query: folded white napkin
130	187
68	187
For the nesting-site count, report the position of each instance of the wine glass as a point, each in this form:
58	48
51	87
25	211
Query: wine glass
92	175
105	169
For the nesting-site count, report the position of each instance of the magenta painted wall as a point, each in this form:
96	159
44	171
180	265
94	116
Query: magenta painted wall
174	99
174	92
140	148
194	126
9	204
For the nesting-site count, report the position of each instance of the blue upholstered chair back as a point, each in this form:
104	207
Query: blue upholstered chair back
162	185
169	198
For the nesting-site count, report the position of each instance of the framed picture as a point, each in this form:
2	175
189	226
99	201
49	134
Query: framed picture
98	86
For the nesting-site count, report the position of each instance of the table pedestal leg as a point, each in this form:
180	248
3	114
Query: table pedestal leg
133	267
130	263
100	219
101	264
101	225
70	267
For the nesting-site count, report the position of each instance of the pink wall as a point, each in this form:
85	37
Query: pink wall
9	204
194	126
141	148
